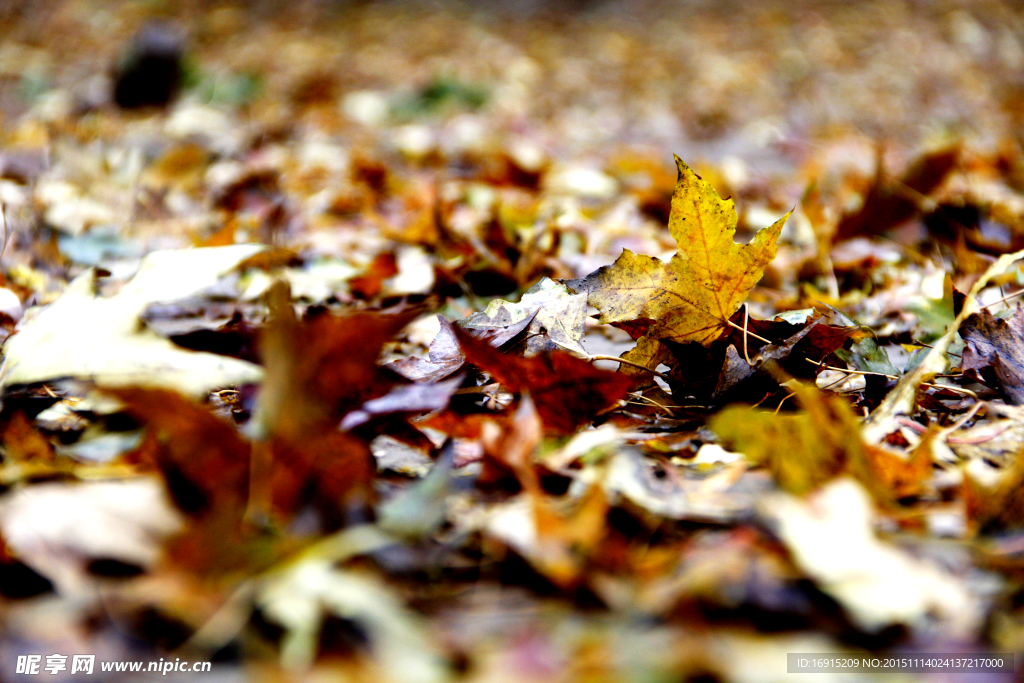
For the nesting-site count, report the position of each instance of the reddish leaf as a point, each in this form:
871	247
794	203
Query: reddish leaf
568	391
891	203
319	369
369	284
204	461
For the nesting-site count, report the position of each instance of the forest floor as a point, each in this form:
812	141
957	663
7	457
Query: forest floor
311	314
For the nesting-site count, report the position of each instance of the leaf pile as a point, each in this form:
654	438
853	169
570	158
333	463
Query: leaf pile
401	352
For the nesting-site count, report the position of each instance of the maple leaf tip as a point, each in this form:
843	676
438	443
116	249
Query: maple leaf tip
682	167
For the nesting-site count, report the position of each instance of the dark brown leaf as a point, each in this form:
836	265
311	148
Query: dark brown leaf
568	391
995	352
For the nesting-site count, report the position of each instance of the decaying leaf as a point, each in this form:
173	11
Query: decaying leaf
568	391
692	297
995	352
556	318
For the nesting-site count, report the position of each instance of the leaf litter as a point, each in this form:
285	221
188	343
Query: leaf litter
403	352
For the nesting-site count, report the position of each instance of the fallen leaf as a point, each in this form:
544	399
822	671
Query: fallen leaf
556	318
319	369
443	358
831	538
408	398
204	460
693	296
802	451
58	528
806	450
891	202
568	391
995	352
300	596
86	335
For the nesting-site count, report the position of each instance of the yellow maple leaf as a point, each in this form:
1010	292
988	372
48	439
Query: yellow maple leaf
692	297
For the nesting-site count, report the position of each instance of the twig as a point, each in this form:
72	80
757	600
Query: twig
746	317
921	343
784	399
962	420
630	363
3	217
745	332
852	372
641	397
1005	298
955	389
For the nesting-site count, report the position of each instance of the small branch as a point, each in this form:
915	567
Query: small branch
1005	298
953	388
921	343
852	372
630	363
964	419
784	399
746	318
732	324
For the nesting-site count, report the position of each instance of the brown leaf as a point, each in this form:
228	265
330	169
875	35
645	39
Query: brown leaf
319	369
203	460
568	391
894	201
995	352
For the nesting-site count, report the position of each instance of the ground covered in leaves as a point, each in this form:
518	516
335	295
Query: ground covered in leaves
386	341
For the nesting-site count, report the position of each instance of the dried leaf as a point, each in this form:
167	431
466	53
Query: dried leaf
894	201
318	370
203	459
806	450
443	358
693	296
832	540
556	318
568	391
995	352
86	335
